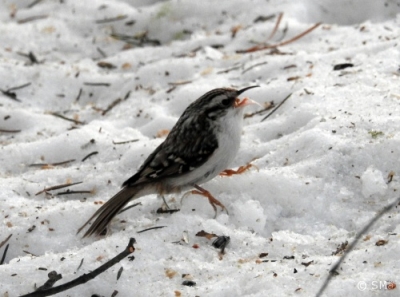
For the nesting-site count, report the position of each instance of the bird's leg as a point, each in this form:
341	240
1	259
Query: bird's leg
240	170
165	207
213	201
165	202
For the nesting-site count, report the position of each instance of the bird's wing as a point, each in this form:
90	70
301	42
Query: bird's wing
189	145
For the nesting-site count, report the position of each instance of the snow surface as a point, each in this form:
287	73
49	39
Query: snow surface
324	158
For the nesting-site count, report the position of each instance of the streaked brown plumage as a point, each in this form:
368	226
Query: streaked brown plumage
202	143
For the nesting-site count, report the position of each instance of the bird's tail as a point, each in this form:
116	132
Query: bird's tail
110	209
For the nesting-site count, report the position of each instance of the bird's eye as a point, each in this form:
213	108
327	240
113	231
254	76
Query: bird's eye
226	102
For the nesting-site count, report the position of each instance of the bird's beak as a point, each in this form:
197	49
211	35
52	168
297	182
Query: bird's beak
245	101
245	89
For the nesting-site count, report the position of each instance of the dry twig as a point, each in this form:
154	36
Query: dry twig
5	250
152	228
277	23
4	254
97	84
275	109
5	240
349	248
68	192
130	206
34	3
112	105
67	119
32	18
267	107
57	187
50	165
9	131
124	142
85	277
89	155
282	43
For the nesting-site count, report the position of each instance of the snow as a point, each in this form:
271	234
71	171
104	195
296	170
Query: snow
323	160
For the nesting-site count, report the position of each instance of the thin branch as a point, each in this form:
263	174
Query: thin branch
124	142
152	228
9	131
275	109
32	18
112	105
4	254
269	106
88	156
79	95
255	65
130	206
34	3
298	36
176	84
170	211
80	264
67	119
179	83
68	192
277	23
229	69
5	240
57	187
97	84
47	165
140	39
269	46
127	95
19	87
86	277
262	18
335	267
28	252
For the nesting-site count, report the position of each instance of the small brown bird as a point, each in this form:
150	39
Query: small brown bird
203	143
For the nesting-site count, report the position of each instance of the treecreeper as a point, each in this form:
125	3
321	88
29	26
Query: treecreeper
201	145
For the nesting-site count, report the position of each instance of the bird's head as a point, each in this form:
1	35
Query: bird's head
220	102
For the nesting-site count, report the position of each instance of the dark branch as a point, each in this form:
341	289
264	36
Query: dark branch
88	156
4	254
57	187
279	105
152	228
85	277
333	270
5	240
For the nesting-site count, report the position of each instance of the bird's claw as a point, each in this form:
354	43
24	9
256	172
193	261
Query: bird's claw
211	199
240	170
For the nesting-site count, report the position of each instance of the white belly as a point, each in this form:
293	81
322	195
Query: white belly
228	146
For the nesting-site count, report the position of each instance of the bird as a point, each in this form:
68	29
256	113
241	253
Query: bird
201	145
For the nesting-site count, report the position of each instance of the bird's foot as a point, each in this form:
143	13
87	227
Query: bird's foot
213	201
240	170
